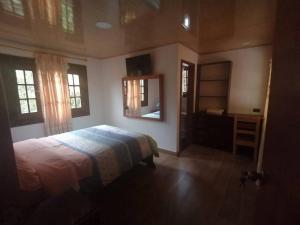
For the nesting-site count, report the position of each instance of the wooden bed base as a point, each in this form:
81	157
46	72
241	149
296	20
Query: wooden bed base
149	161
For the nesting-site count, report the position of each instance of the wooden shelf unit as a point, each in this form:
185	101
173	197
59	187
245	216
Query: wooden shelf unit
213	86
247	132
212	92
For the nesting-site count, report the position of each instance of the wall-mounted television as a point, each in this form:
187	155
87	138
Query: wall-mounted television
139	65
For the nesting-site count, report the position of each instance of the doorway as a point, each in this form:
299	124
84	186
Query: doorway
187	74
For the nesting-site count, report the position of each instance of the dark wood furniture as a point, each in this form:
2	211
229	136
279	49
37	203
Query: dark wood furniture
8	173
213	130
247	133
209	129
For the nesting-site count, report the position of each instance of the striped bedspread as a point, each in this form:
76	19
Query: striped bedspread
95	155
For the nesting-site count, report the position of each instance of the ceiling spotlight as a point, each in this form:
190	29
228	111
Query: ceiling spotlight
186	22
103	25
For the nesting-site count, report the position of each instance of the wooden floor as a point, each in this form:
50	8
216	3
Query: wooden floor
199	187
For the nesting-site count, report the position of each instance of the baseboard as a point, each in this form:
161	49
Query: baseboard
167	151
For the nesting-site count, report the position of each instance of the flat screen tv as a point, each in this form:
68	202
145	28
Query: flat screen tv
139	65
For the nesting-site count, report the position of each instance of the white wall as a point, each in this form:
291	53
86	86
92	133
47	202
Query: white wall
249	76
165	62
95	99
248	87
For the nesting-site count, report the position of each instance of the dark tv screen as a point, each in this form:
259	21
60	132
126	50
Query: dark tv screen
139	65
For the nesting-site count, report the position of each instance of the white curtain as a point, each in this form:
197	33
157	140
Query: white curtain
133	97
52	72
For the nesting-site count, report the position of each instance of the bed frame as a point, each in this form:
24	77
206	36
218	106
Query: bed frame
150	162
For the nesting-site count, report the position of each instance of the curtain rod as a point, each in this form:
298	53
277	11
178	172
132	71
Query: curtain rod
41	51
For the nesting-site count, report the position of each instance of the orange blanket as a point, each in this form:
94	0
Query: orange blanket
53	166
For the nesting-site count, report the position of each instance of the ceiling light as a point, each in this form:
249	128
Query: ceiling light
103	25
186	22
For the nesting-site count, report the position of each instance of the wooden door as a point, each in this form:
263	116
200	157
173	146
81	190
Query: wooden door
8	175
278	201
185	127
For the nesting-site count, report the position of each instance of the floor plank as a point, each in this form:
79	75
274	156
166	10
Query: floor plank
199	187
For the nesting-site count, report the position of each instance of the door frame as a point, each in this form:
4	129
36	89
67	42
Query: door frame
190	96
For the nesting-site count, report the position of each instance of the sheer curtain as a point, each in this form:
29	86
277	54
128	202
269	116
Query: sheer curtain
134	98
52	72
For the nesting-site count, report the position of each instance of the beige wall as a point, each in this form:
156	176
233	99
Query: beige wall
112	70
248	89
249	77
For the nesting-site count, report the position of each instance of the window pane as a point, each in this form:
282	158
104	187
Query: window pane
71	91
7	6
142	90
76	79
29	77
141	82
73	105
22	91
142	97
77	91
78	102
24	106
32	105
20	77
30	91
70	79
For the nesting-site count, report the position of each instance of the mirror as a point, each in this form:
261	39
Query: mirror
143	97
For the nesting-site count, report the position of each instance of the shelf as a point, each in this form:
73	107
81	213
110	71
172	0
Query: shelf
246	132
245	143
246	126
213	85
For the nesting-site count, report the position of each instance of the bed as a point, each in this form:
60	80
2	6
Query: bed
81	159
155	115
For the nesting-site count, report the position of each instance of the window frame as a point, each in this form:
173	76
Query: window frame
144	102
83	84
185	80
67	25
8	66
26	85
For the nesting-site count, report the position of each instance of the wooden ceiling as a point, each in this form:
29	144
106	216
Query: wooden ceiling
70	25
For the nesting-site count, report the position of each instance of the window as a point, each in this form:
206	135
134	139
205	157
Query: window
14	7
21	89
67	15
74	91
78	90
26	91
185	80
144	92
142	88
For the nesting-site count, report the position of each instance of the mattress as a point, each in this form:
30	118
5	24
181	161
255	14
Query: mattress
153	115
96	155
